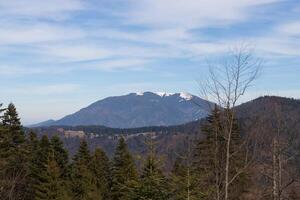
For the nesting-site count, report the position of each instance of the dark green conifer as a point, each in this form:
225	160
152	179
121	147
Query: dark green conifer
100	168
12	123
210	156
14	156
153	184
124	173
182	181
38	170
82	186
60	155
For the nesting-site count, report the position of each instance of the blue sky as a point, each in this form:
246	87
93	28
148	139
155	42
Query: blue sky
58	56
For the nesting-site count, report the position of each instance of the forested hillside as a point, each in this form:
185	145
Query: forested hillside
177	162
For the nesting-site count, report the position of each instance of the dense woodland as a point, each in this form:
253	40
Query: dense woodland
34	167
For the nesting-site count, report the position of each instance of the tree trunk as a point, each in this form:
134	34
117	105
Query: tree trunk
276	169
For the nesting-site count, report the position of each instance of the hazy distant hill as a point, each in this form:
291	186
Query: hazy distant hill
138	110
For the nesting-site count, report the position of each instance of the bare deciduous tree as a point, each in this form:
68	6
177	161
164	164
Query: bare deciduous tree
282	152
226	84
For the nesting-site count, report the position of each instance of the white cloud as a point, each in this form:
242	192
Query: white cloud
18	34
52	89
191	13
53	9
169	35
75	52
290	29
132	64
6	70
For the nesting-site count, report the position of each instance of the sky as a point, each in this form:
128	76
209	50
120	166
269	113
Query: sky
58	56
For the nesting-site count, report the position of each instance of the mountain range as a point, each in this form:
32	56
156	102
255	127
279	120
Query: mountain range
138	110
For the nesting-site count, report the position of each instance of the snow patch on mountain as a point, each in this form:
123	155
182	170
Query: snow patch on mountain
164	94
186	96
139	93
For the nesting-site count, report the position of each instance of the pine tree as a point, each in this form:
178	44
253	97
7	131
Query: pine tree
4	146
38	170
209	160
51	185
124	173
12	122
54	184
100	168
154	185
14	156
4	141
46	180
60	155
182	181
82	187
32	148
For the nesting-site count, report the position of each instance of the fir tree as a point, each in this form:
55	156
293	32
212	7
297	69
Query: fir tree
100	168
12	123
124	173
209	160
60	155
47	180
51	186
154	185
182	181
82	187
38	170
13	154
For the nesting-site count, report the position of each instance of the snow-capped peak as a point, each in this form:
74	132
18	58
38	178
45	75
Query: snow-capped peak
139	93
186	96
164	94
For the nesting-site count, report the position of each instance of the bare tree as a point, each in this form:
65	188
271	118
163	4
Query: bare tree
226	84
282	152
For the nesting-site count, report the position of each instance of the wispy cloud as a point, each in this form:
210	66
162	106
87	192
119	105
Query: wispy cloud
54	9
191	13
50	89
290	28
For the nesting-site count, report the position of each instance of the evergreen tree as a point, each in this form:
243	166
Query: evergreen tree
55	188
14	156
154	185
82	186
46	179
209	160
12	123
4	146
182	181
32	148
51	185
4	141
60	156
124	173
100	168
38	170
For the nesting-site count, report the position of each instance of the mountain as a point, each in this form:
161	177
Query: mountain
44	123
139	110
254	116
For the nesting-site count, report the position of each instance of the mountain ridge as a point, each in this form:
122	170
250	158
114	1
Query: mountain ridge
138	110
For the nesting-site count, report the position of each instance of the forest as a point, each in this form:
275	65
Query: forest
35	167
